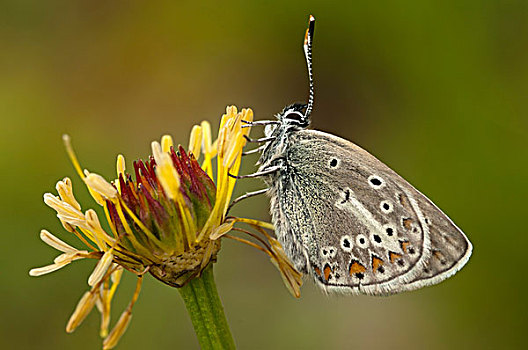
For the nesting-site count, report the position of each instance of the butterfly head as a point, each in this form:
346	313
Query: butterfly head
295	115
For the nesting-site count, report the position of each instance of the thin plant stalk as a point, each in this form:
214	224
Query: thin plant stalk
206	312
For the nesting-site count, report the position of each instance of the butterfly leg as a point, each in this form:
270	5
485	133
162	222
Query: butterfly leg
246	196
256	150
263	139
268	171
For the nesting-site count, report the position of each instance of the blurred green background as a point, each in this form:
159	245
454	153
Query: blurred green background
436	89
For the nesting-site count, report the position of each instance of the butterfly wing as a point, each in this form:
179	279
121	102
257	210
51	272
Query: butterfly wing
356	225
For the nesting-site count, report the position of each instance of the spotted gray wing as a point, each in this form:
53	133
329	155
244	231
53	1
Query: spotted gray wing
357	226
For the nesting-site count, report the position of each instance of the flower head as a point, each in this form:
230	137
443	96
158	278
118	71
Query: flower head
167	218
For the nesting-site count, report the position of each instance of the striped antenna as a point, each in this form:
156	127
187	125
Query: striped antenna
308	39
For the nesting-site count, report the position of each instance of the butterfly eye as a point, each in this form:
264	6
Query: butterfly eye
294	115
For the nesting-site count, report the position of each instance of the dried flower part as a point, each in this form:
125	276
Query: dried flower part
65	190
65	211
100	268
117	332
72	256
105	296
124	320
291	277
56	243
222	229
98	184
39	271
83	308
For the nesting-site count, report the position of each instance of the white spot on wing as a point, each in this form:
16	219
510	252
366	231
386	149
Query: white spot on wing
362	241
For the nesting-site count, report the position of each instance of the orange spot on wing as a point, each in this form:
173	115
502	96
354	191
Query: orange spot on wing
393	257
317	271
404	246
404	202
376	263
407	223
327	271
356	267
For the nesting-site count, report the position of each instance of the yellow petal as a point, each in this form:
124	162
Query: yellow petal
195	141
166	173
166	143
206	137
120	165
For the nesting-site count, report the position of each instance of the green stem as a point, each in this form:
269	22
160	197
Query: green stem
206	312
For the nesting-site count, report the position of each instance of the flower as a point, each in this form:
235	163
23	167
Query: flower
167	220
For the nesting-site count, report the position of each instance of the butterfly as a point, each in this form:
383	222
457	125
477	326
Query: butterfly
344	217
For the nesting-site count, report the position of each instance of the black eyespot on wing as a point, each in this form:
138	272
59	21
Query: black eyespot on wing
389	231
346	243
377	238
333	163
375	181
